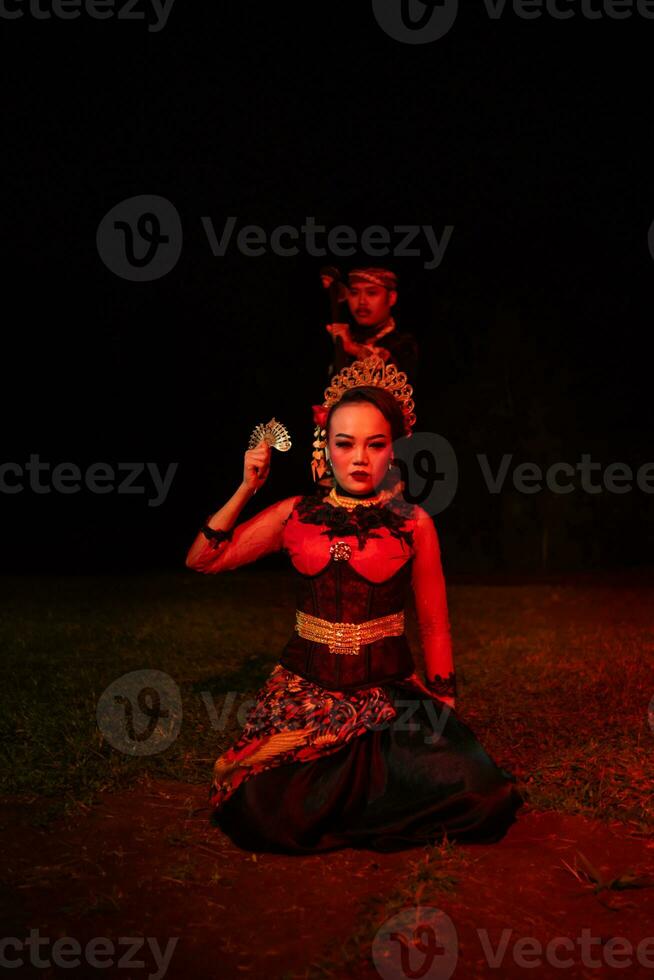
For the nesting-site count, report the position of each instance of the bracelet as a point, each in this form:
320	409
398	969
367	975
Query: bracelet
443	686
216	536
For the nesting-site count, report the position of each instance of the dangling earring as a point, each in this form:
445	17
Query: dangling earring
391	464
319	466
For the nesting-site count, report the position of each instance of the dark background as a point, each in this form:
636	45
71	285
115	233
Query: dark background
531	138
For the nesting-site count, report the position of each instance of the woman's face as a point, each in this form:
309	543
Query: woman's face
359	446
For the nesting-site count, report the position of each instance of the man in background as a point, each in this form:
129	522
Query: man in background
371	294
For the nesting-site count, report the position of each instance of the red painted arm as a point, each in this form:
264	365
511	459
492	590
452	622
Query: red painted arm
431	601
260	535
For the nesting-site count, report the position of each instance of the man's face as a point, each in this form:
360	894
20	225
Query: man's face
370	305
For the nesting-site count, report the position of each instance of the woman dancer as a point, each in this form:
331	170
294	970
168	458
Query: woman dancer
345	746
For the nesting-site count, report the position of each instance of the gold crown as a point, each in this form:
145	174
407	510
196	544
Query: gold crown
374	372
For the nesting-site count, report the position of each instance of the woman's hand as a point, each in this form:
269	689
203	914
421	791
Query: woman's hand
439	697
256	466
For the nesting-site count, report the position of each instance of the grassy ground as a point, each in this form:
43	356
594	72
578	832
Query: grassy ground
555	679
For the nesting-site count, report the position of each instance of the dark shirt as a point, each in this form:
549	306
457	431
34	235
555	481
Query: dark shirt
402	348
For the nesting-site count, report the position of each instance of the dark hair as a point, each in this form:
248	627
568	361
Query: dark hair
387	404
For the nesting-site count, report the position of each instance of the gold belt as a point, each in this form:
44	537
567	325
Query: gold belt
347	637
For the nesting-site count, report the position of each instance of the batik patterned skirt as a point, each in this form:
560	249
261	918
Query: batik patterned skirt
384	768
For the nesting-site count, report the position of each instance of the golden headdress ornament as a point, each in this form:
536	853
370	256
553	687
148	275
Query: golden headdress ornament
372	372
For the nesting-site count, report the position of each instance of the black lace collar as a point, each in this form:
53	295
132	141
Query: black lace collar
361	521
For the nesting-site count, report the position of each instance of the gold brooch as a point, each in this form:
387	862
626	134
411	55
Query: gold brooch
340	551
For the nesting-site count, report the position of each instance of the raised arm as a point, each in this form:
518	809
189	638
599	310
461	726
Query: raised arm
260	535
431	608
220	545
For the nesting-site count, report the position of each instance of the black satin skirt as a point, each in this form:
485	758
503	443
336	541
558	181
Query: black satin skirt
410	783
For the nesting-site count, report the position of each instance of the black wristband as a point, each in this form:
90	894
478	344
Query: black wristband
216	536
443	686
